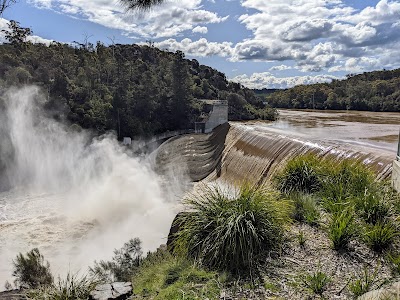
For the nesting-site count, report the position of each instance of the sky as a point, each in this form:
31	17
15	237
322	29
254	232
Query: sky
259	43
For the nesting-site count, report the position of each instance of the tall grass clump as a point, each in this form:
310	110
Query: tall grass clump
164	276
230	232
372	207
305	208
345	179
342	228
299	175
72	287
317	282
381	235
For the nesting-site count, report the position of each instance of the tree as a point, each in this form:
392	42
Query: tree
123	264
132	5
16	35
31	271
4	4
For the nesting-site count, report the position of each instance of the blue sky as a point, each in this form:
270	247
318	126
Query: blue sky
260	43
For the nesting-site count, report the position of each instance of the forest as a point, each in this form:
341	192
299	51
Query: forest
372	91
135	90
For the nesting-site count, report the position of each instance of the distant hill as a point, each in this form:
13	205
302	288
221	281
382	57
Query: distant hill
373	91
139	87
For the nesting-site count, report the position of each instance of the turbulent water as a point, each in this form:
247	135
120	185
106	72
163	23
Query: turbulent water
78	198
74	197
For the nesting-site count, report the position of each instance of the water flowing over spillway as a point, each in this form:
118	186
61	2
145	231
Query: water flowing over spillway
77	197
255	151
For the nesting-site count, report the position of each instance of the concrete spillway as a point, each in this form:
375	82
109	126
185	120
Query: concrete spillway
242	152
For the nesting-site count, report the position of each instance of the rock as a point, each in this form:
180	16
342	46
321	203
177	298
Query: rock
389	292
116	290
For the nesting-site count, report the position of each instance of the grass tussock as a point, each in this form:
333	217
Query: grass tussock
72	287
163	276
305	208
317	282
299	175
342	229
381	236
226	232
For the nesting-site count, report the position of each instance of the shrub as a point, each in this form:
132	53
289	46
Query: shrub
31	271
72	287
380	236
123	264
342	228
371	208
345	179
228	232
363	284
299	175
317	282
305	208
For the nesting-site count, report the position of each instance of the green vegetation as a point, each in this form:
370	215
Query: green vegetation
317	282
305	208
300	175
363	284
226	232
375	91
31	271
348	192
163	276
71	288
342	229
123	264
380	236
301	239
131	89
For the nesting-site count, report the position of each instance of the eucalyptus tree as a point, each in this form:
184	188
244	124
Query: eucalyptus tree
132	5
4	4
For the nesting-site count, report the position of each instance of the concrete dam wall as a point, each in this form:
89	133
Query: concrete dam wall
239	152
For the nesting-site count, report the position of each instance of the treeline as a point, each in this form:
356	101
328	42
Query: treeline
134	90
372	91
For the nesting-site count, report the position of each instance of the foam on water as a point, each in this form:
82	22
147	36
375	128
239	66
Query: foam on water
73	197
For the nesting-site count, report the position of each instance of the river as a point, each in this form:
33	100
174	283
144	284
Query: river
107	203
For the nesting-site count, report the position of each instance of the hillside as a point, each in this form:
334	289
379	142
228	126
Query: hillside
136	90
373	91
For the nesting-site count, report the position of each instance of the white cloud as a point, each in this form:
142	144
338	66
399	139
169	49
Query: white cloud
168	20
280	68
318	34
201	47
267	80
200	29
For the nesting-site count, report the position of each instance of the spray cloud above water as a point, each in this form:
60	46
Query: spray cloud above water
73	196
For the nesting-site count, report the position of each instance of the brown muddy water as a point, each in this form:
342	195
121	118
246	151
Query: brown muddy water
366	129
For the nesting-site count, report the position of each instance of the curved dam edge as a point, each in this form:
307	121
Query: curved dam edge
237	152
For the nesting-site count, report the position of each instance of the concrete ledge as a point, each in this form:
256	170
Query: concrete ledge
396	175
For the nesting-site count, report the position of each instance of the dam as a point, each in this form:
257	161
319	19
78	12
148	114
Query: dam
254	151
72	209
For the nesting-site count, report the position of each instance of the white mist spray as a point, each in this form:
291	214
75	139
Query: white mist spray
73	197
